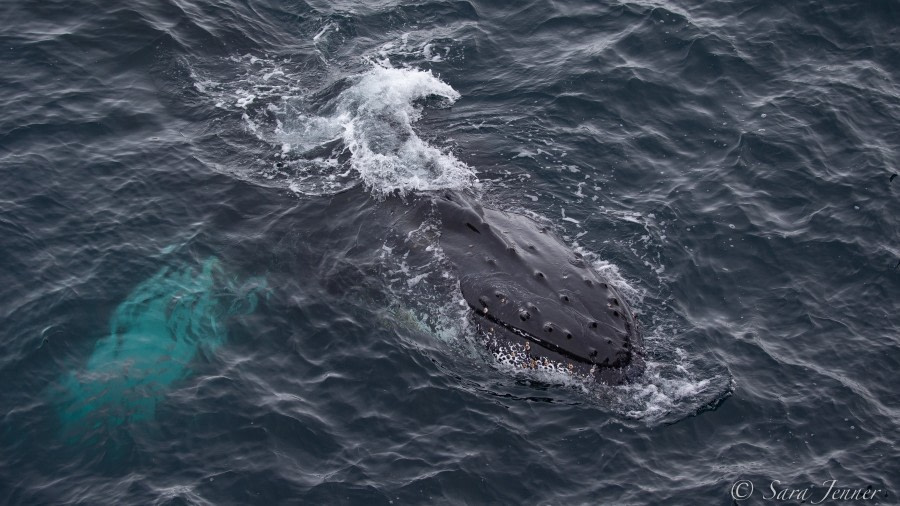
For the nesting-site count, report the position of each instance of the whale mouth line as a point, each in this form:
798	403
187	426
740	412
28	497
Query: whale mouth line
525	335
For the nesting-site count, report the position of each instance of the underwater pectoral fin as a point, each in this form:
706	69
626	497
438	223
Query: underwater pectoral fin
155	334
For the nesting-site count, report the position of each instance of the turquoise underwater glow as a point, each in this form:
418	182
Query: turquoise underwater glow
154	336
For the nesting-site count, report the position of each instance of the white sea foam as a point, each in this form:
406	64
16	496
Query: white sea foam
372	119
375	118
671	389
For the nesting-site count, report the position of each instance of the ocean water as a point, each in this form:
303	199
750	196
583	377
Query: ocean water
213	290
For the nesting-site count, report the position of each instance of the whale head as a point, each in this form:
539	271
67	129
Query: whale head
535	301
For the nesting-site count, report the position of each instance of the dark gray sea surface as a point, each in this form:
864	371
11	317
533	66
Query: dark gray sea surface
215	287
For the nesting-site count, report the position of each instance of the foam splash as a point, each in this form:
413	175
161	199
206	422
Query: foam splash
374	118
416	48
672	389
154	336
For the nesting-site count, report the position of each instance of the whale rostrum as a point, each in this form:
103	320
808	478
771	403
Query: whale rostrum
534	299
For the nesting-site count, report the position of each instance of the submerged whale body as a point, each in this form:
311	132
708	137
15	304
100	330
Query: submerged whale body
536	302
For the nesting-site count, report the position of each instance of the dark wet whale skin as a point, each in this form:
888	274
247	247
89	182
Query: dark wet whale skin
535	297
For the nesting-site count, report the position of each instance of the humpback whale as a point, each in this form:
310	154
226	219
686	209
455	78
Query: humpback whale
534	300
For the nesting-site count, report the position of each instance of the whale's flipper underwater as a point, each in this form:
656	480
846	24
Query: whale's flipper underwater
537	302
155	335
